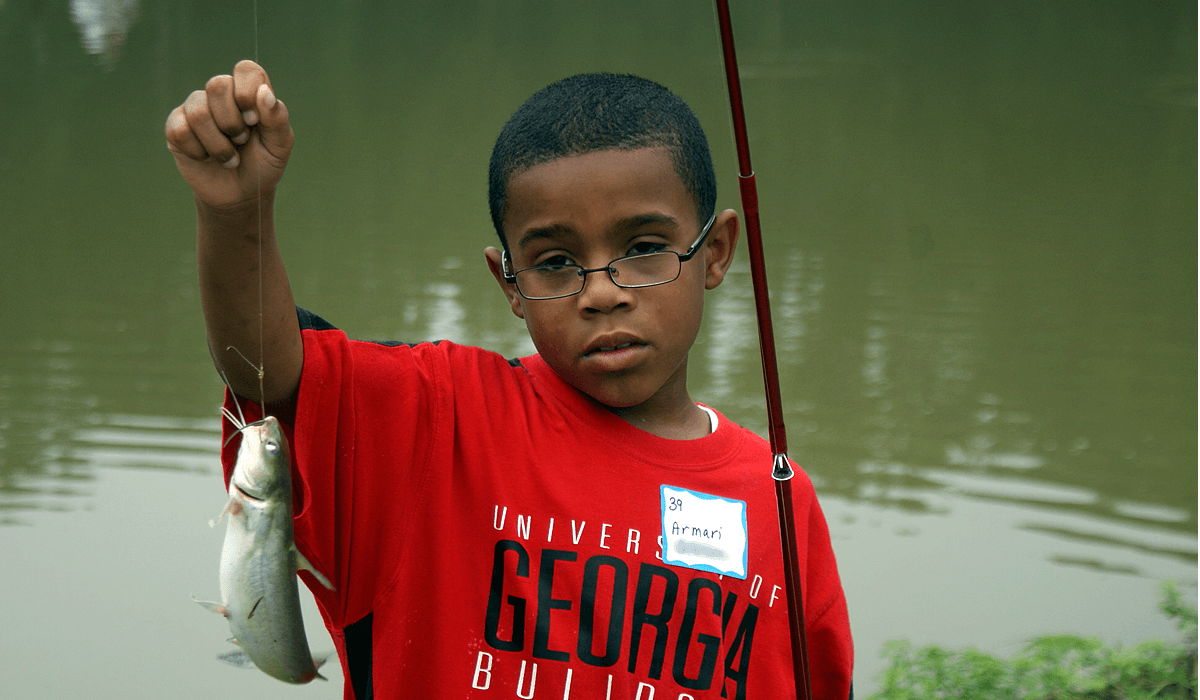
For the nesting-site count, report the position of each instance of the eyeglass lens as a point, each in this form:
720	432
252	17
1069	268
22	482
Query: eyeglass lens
634	271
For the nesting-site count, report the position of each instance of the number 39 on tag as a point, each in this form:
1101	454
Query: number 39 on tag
704	532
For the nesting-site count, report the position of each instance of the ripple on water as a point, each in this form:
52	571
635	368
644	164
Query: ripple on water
59	462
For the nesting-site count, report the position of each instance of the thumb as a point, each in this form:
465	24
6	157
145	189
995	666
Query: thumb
275	131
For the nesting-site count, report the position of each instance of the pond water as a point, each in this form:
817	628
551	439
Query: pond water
980	224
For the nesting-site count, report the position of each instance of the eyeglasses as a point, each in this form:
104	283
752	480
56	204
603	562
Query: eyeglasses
630	272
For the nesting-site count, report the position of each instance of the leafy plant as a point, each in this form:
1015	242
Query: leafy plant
1053	667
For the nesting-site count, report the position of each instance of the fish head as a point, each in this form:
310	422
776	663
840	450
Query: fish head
263	463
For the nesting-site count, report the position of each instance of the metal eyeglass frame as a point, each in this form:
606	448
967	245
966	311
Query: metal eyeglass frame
511	277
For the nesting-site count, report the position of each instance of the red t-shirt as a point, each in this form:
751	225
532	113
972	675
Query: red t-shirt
496	533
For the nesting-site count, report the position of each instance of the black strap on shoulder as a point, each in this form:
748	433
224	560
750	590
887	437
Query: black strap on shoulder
312	322
357	637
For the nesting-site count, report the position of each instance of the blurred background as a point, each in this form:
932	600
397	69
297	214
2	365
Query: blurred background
980	225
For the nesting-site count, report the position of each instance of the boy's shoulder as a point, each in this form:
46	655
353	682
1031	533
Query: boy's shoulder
317	328
475	379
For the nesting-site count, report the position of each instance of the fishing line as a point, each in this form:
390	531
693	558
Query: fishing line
262	351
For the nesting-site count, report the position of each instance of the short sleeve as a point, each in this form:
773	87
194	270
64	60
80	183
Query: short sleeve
367	416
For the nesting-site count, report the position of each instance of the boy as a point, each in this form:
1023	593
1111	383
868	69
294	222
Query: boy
571	524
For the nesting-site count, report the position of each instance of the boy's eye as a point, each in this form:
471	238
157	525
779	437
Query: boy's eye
646	247
555	261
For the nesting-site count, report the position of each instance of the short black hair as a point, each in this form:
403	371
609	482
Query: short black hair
598	112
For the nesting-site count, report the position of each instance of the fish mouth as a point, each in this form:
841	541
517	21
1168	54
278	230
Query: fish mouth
246	494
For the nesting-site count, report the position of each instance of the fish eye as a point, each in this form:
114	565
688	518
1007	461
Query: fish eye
271	446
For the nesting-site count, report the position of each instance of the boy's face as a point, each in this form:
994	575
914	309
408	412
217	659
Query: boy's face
626	348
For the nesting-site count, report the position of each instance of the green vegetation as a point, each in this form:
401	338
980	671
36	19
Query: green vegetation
1056	667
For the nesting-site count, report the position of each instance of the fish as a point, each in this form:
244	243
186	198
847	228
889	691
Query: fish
259	560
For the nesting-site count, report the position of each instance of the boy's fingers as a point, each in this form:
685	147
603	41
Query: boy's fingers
248	77
273	122
225	112
201	122
180	138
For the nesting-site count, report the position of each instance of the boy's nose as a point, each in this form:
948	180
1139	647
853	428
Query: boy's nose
601	294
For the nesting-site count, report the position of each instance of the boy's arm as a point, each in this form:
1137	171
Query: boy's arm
231	142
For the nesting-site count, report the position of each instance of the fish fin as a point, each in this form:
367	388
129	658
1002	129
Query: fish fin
218	608
236	658
303	564
233	640
319	661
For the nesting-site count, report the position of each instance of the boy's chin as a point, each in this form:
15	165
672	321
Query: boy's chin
614	400
625	392
617	405
623	400
615	395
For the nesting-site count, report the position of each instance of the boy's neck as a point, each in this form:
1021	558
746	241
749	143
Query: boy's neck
686	421
669	412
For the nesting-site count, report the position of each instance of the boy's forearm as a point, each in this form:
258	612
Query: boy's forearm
249	312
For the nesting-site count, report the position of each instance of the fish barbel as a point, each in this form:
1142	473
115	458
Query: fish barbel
259	560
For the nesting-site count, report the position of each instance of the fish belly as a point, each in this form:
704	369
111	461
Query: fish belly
260	591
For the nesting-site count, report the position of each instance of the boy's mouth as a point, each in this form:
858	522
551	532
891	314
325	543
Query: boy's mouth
612	343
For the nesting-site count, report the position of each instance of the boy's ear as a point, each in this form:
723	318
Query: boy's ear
494	264
720	246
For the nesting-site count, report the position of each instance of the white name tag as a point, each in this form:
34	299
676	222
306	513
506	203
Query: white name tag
703	532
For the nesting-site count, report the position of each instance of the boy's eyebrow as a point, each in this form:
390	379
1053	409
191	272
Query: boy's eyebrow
626	224
640	220
544	232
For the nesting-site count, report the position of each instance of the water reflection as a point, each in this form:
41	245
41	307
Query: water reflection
62	454
980	228
444	314
798	303
103	25
732	338
1176	90
40	397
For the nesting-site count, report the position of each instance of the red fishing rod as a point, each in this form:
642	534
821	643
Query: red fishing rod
781	470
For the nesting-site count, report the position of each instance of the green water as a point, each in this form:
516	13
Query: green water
980	226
